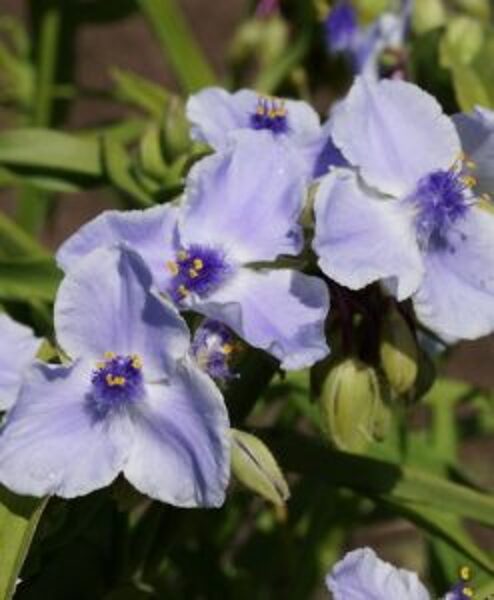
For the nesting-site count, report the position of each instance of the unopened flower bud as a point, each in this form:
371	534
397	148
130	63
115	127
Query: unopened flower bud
255	467
176	130
351	405
399	354
428	14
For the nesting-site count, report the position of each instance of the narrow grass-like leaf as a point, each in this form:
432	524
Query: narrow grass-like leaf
447	527
28	279
374	477
45	149
14	241
179	43
118	170
19	517
141	92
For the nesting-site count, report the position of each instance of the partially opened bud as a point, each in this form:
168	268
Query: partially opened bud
351	405
399	353
255	467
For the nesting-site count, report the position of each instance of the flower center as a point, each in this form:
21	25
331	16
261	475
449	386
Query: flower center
213	348
198	270
270	114
441	199
116	381
462	590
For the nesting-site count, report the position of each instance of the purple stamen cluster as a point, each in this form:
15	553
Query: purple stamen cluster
270	114
198	270
213	348
441	198
116	382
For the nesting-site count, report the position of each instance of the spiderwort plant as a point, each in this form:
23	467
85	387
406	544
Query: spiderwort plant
215	255
362	575
405	211
376	50
130	401
18	349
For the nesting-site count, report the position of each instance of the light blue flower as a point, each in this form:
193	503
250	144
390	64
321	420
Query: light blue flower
18	348
214	254
216	114
376	50
362	575
130	401
406	213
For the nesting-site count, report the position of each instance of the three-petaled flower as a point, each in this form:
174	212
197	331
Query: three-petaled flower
216	253
131	401
407	211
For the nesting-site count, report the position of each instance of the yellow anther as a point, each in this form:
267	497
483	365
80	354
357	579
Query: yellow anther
468	592
182	255
227	348
113	381
109	355
469	180
198	264
465	573
486	197
136	361
471	164
183	291
172	267
100	365
260	109
193	273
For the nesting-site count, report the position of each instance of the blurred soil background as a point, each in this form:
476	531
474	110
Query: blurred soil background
130	44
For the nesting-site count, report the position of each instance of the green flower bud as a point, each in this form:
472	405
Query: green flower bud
399	354
351	405
262	40
175	129
476	8
255	467
428	14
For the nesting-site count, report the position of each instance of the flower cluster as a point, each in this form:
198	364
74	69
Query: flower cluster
391	192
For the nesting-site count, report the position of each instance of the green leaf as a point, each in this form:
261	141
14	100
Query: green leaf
15	241
28	279
380	478
447	527
179	43
45	149
118	168
19	517
141	92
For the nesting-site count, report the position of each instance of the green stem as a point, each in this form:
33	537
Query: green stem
178	41
34	204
